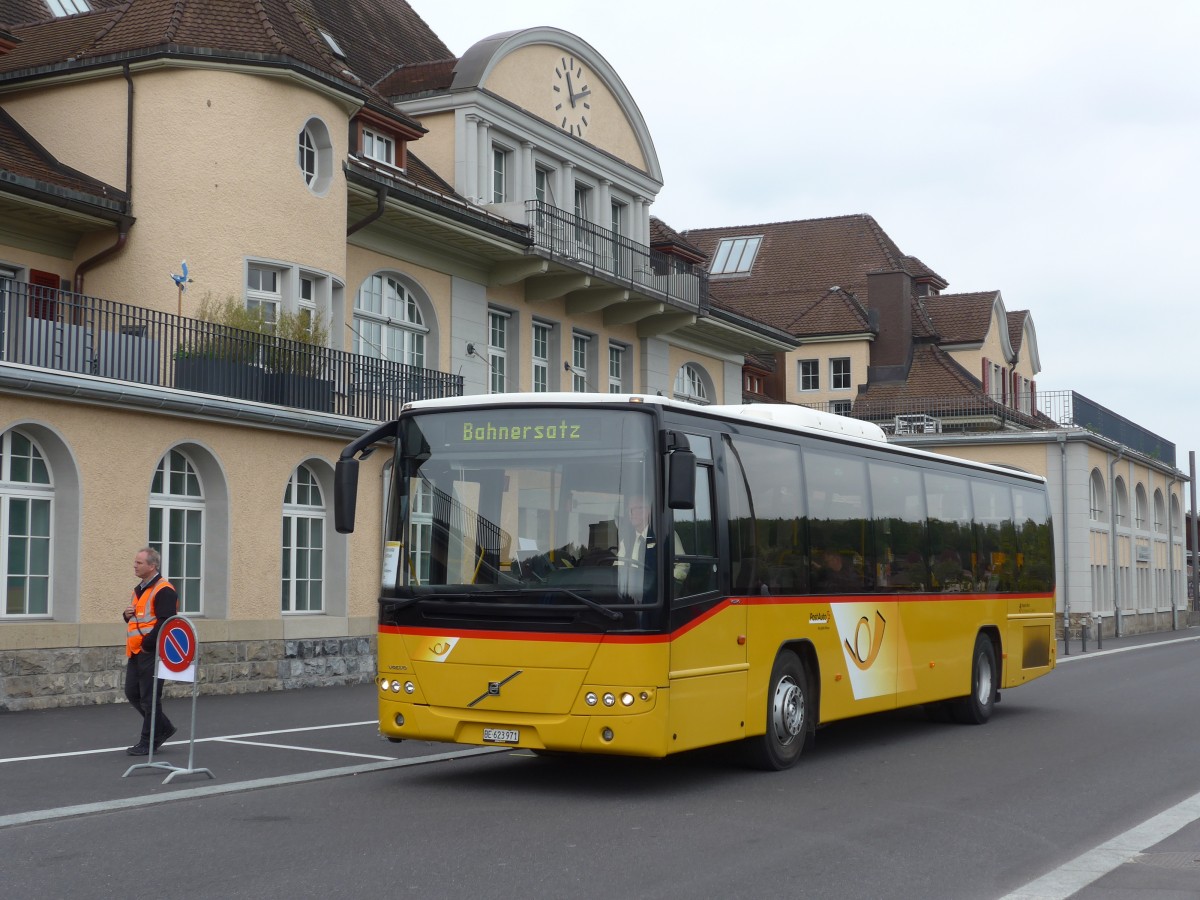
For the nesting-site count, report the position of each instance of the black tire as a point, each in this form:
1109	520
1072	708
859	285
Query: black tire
976	708
789	717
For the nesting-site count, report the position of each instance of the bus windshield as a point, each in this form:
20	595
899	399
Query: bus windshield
527	505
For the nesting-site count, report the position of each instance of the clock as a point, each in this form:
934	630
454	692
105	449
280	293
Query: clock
572	97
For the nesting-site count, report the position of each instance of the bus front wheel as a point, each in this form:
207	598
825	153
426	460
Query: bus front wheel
788	713
976	708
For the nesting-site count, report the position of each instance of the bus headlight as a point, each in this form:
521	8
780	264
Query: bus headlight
409	687
627	699
609	700
590	698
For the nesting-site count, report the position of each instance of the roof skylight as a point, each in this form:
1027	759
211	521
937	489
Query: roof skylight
333	44
734	255
62	8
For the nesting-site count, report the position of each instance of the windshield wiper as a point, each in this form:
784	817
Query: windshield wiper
615	615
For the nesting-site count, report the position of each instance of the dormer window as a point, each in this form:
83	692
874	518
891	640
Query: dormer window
735	256
379	147
60	8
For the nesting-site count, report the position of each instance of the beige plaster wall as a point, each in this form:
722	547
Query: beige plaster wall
81	123
116	451
1026	457
859	353
215	180
436	149
527	78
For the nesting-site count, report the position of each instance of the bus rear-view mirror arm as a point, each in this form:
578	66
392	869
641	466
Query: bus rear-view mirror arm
345	475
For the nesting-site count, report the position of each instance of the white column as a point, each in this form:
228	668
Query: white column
484	194
640	226
470	181
566	187
526	187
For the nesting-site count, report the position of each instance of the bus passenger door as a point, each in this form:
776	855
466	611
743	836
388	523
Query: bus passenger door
708	629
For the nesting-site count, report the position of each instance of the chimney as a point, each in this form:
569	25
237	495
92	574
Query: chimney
889	299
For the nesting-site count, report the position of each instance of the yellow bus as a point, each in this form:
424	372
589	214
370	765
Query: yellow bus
636	575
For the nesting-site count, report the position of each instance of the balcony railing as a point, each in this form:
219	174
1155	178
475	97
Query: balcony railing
69	332
1045	410
616	258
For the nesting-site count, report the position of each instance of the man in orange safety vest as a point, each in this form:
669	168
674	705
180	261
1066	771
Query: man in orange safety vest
154	601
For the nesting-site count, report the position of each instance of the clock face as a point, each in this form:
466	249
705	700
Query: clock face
572	97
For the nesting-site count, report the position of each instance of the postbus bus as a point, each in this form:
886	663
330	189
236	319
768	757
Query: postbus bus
796	569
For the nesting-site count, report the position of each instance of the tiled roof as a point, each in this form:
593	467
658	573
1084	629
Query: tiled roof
933	374
798	263
1016	328
415	78
961	318
427	178
26	12
918	269
665	238
374	35
23	161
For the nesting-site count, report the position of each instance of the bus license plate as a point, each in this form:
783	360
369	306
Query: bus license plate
501	735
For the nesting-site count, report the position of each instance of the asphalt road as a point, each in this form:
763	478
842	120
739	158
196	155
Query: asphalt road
1084	784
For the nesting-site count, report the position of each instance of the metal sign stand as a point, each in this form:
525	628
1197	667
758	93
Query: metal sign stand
178	652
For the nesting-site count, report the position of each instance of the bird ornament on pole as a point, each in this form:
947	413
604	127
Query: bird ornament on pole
181	282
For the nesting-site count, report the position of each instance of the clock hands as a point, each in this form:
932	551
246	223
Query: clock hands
571	95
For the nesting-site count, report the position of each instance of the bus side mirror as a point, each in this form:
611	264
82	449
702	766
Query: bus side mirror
681	479
345	495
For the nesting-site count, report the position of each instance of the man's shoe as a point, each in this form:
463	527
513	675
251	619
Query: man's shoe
141	748
160	739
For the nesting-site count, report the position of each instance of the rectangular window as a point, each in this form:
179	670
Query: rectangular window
541	357
841	407
499	175
810	375
579	360
583	204
263	293
378	147
62	8
838	510
497	351
839	373
616	368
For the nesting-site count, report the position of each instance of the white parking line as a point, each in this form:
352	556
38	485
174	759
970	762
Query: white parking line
1077	874
208	790
220	737
1095	653
306	749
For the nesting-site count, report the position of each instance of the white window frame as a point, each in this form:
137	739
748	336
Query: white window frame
500	165
264	290
690	385
498	321
811	378
396	330
540	336
579	360
379	147
188	582
63	8
839	381
616	368
314	156
30	491
735	256
301	517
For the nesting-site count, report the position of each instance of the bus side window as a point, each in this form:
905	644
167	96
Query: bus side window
766	535
951	532
1035	546
898	502
838	516
694	570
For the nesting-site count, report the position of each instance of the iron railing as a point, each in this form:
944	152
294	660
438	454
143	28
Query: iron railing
1044	410
616	258
69	332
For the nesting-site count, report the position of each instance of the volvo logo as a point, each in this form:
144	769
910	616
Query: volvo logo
493	689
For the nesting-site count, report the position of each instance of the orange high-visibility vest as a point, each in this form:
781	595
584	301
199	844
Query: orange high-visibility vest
143	620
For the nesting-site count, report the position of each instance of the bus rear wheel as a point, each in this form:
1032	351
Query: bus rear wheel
788	716
976	708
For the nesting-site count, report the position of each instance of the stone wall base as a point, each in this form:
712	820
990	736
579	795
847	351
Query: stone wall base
84	676
1131	623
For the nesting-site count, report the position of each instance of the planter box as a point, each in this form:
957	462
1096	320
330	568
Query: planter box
223	377
298	391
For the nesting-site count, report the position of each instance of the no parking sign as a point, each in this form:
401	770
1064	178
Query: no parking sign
177	650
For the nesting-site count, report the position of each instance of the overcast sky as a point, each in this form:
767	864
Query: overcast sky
1047	149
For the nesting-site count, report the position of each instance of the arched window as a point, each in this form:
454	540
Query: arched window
388	323
691	385
1099	499
314	155
177	526
1160	512
26	507
303	544
1121	502
1140	506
